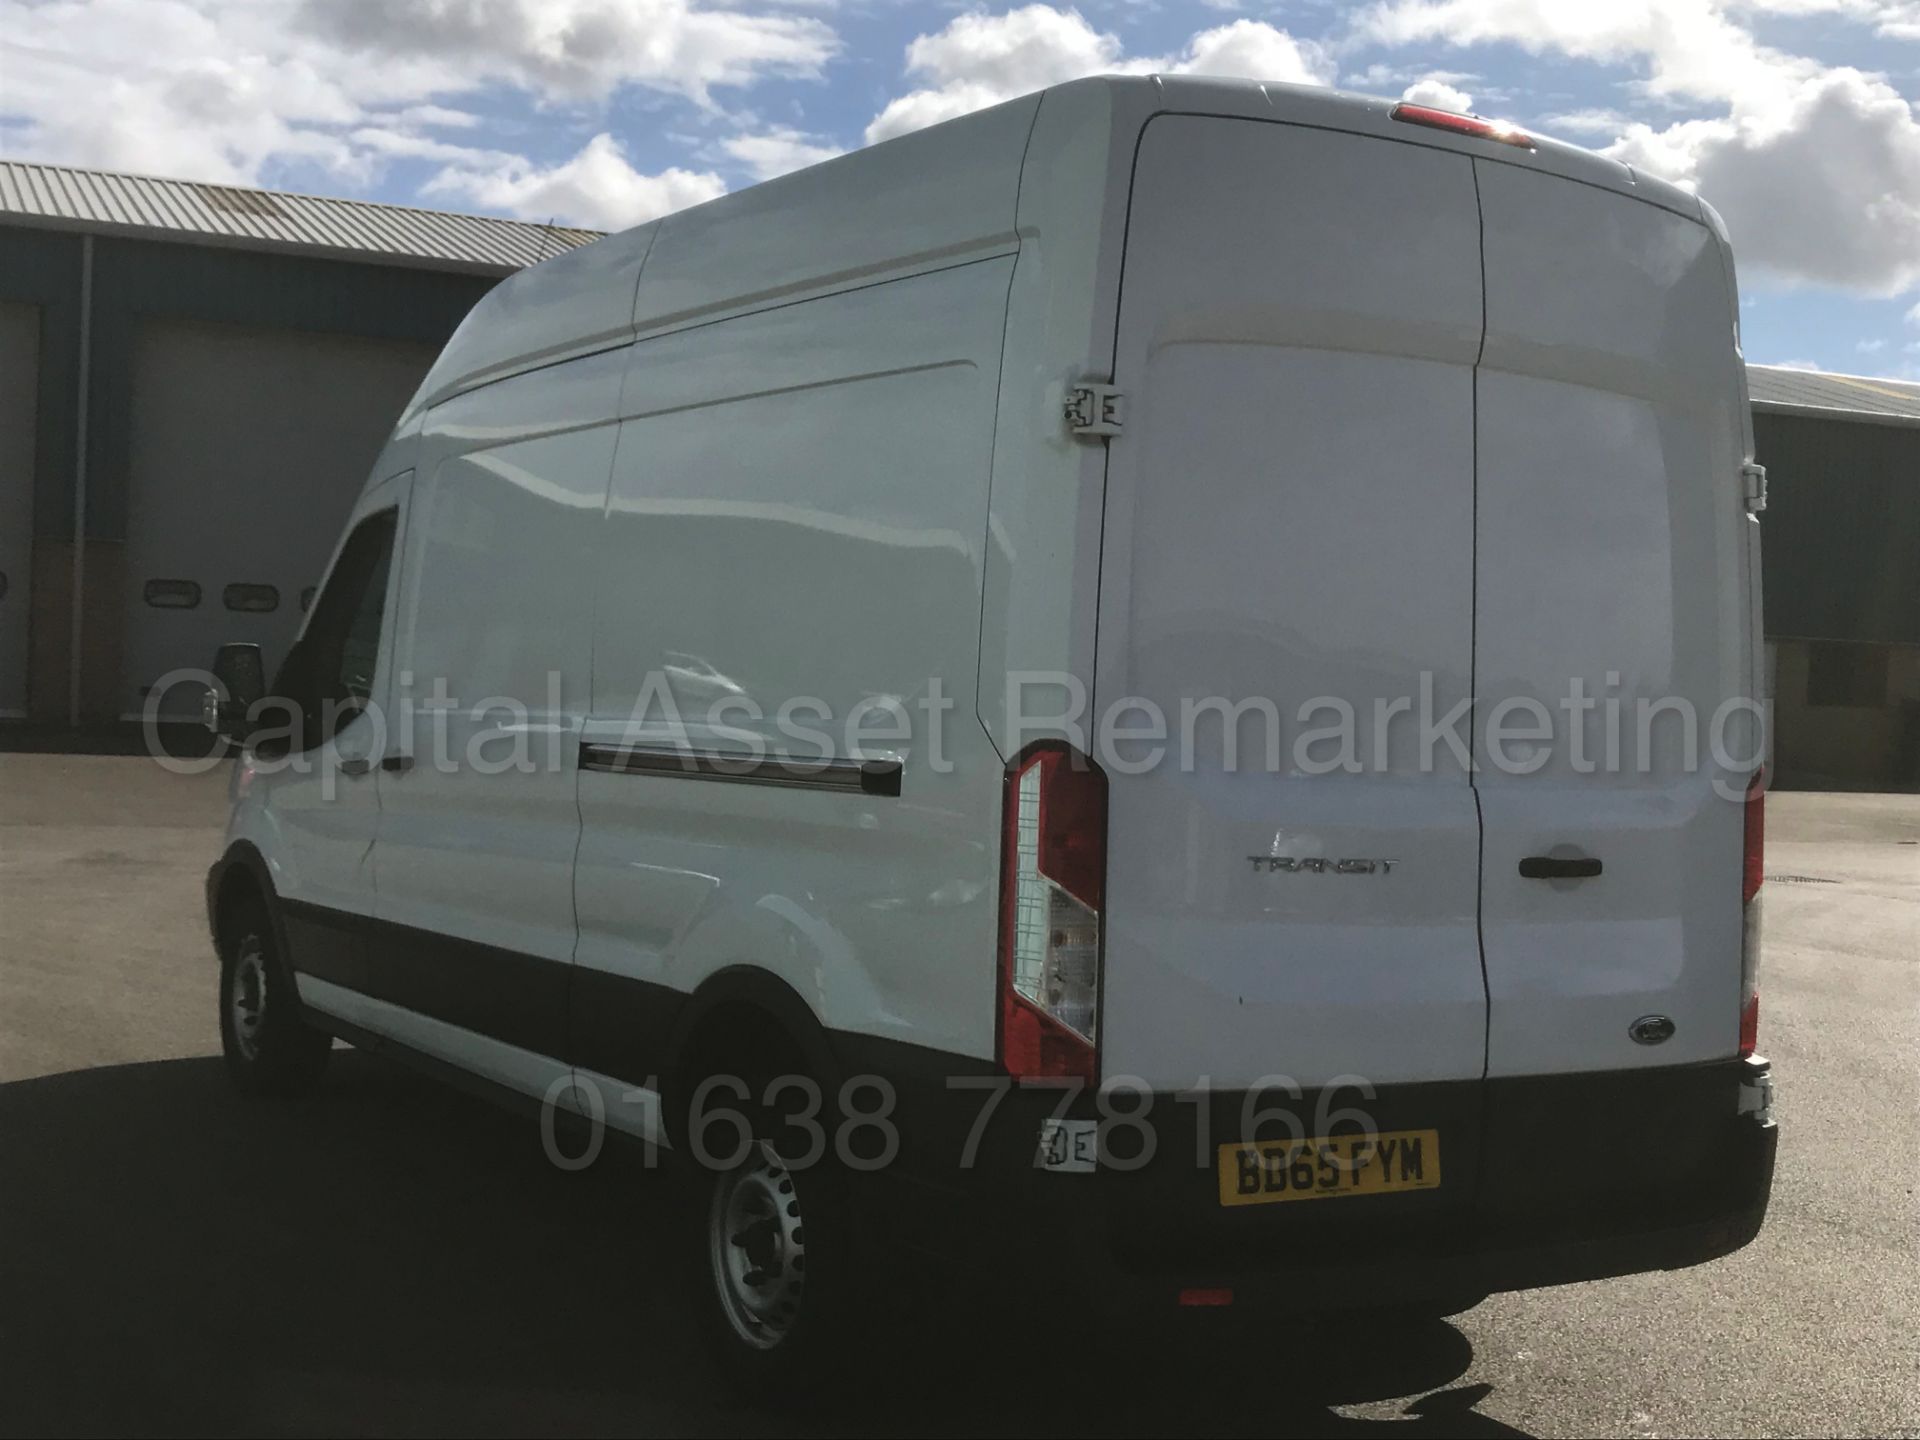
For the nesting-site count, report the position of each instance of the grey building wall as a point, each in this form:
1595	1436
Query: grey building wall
1841	539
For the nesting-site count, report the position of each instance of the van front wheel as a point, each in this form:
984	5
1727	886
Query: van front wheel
269	1048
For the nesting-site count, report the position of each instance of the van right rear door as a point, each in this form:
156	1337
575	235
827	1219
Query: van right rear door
1612	597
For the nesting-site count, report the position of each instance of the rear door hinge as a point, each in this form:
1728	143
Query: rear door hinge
1095	409
1753	487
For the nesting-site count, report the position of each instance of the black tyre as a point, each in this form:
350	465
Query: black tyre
269	1048
781	1282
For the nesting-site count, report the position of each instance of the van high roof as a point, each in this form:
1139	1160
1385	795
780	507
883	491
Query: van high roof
940	196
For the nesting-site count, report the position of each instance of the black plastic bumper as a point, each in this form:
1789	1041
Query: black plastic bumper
1546	1181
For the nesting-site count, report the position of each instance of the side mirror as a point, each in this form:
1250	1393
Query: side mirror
240	682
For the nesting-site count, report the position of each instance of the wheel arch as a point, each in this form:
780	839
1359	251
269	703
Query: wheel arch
731	1006
240	875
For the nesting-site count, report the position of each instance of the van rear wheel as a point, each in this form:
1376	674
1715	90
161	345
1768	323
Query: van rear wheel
268	1046
777	1266
757	1248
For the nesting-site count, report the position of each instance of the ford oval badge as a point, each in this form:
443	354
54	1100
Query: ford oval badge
1651	1030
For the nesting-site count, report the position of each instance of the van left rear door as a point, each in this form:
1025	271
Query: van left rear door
1289	524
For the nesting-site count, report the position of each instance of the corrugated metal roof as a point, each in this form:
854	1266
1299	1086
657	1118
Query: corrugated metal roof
60	197
1842	397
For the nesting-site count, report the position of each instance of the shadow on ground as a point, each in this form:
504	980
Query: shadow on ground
390	1256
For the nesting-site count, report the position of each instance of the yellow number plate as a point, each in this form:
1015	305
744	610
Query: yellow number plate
1263	1172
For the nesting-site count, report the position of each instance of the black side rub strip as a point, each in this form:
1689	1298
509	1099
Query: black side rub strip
1547	867
857	777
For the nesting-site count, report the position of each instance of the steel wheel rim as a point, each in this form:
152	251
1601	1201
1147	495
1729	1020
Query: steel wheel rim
247	995
757	1245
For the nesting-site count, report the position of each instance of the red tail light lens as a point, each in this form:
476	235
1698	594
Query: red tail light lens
1054	868
1752	874
1471	125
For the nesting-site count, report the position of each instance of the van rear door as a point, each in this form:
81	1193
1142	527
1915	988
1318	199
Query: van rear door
1612	556
1289	522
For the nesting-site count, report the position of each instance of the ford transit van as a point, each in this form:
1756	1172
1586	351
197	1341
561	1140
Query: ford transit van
1159	682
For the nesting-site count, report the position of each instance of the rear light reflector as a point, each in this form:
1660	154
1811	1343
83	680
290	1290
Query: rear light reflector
1204	1296
1753	860
1470	125
1750	1027
1054	868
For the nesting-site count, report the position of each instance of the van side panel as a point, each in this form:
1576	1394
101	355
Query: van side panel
1289	524
1040	611
795	525
568	306
1611	546
919	202
473	864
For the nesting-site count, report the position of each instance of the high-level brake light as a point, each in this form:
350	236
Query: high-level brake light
1054	871
1470	125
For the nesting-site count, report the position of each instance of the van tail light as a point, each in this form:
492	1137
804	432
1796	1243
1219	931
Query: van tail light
1752	874
1472	126
1053	886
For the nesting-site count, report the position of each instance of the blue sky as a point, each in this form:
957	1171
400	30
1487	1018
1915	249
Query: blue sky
1792	116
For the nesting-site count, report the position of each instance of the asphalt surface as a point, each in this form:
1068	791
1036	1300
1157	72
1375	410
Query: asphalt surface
390	1256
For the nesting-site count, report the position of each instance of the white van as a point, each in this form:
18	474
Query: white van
731	715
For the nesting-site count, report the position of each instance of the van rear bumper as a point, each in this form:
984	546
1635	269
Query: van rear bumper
1546	1181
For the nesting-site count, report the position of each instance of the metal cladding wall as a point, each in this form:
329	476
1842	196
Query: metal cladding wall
135	279
1842	529
1842	575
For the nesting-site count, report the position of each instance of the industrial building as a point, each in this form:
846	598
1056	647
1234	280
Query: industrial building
194	379
1841	576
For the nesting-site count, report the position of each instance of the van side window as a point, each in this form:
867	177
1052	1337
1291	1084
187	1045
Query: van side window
328	675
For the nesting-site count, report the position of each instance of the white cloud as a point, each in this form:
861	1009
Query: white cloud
1824	187
1593	121
1870	347
1913	315
596	188
229	90
438	116
1691	48
165	87
579	48
1898	19
1439	94
403	143
1248	50
777	151
980	60
1816	169
1383	79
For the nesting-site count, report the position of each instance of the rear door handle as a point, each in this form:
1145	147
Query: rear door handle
396	764
1554	867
